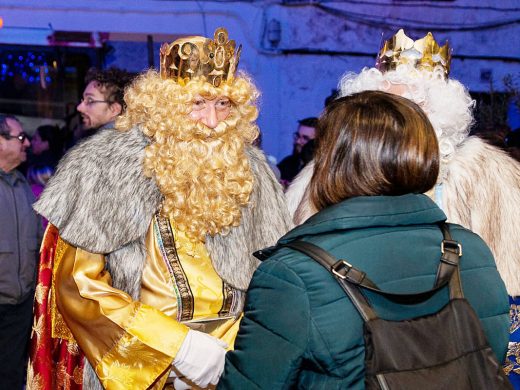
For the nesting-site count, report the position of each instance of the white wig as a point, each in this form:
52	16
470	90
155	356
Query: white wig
446	102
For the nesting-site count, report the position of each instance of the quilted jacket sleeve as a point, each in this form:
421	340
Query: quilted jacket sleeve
270	345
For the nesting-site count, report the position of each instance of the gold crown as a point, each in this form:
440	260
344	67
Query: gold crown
195	56
423	53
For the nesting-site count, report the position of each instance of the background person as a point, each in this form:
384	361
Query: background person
20	236
153	226
292	164
102	101
38	176
376	154
46	146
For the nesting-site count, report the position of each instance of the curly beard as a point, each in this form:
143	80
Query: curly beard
204	175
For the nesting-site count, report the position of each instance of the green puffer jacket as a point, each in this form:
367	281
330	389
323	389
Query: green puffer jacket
300	330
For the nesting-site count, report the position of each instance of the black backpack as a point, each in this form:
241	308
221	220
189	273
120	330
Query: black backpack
444	350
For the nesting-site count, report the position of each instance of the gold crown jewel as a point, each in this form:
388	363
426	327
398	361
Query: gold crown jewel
424	53
216	59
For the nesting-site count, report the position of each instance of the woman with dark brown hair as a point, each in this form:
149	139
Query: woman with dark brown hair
373	144
376	155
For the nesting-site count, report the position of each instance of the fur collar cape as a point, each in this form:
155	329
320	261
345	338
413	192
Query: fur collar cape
100	201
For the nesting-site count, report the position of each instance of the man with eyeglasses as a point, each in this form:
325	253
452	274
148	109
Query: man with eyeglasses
291	165
19	242
102	101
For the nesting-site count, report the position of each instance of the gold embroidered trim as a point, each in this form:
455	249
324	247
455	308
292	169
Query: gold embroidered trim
514	314
167	243
512	364
227	299
59	328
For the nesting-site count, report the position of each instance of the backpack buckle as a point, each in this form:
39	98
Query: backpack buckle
339	266
453	245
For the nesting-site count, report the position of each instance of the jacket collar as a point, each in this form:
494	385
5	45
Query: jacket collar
11	177
109	125
370	211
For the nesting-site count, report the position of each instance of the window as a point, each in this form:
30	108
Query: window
45	82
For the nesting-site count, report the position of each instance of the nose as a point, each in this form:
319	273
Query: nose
26	142
80	106
210	118
300	141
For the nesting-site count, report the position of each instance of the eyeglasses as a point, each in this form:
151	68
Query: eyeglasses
21	137
297	136
89	101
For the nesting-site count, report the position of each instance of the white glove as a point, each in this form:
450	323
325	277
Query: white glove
178	383
201	358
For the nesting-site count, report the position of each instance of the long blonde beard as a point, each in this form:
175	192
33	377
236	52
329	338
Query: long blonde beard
204	176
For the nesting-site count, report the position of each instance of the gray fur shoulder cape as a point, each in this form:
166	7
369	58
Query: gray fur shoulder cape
100	201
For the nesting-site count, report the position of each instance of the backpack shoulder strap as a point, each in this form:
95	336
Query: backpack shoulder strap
344	272
330	263
448	270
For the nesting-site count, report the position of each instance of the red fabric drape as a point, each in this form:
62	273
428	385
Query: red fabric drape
54	363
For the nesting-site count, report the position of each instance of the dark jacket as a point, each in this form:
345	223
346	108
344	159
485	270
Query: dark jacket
290	166
300	330
20	233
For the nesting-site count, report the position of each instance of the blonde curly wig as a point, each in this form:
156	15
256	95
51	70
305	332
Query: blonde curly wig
203	173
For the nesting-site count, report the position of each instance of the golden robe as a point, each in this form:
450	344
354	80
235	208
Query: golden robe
131	344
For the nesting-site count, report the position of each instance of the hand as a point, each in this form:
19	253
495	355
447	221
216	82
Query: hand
201	358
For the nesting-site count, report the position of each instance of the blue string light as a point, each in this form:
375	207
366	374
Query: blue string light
24	65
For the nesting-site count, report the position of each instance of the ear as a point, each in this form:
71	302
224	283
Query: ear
116	109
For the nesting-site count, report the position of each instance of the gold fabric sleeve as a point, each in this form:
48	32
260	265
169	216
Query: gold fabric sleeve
130	344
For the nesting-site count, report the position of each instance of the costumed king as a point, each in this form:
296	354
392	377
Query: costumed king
148	256
478	185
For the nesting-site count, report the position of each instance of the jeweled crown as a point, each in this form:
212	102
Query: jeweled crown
188	57
424	53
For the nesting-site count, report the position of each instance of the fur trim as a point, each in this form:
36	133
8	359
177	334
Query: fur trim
124	264
100	201
263	222
482	193
297	196
99	198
